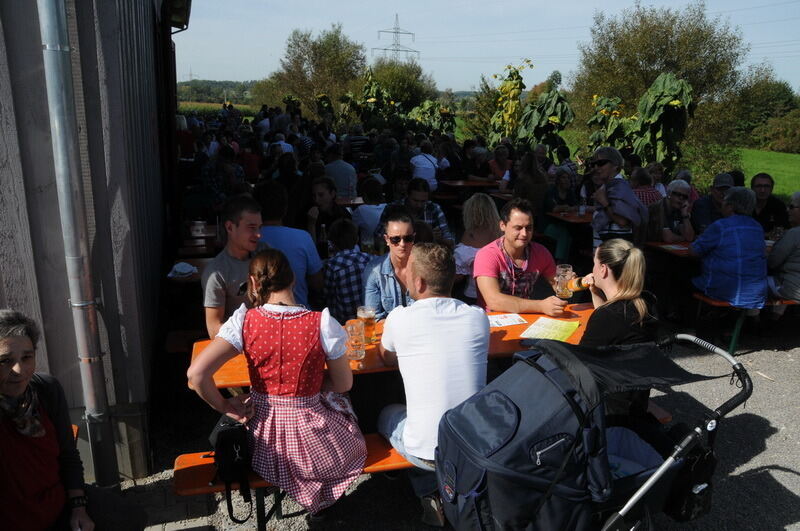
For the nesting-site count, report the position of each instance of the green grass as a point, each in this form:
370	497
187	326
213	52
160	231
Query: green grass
784	168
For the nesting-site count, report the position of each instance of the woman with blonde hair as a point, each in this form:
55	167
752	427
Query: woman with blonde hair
481	227
623	314
304	437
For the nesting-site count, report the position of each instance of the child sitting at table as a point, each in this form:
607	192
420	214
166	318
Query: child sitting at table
304	437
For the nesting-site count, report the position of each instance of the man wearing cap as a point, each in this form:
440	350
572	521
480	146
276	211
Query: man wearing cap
708	208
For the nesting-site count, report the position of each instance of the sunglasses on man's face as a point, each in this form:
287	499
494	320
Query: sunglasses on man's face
598	163
395	240
679	194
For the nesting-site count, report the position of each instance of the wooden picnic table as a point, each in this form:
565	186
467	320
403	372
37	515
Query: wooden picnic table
572	217
503	343
679	249
503	196
349	201
472	183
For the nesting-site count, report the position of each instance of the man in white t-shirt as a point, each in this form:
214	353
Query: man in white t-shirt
425	165
441	346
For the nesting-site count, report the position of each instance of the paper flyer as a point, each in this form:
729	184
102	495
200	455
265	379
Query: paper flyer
505	319
546	328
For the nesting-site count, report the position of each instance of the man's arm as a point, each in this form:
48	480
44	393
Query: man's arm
500	302
214	319
389	358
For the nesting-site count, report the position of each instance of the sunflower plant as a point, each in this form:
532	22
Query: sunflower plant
505	121
542	120
664	112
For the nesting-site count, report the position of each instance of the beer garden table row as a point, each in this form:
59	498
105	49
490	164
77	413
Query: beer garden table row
503	343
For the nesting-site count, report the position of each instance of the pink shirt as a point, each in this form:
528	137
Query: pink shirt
493	261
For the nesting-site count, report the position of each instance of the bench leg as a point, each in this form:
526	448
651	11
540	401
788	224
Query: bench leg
261	521
737	329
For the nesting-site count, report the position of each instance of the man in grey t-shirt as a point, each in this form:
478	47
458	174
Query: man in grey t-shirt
224	279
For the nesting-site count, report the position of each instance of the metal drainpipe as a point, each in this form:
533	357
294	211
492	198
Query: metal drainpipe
72	209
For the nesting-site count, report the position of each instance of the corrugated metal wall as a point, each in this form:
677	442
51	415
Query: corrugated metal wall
137	23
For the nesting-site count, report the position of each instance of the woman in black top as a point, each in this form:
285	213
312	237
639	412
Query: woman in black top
623	315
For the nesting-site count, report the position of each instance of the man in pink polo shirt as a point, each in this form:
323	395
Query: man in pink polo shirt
507	269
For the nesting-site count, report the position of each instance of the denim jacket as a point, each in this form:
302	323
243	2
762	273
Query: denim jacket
381	289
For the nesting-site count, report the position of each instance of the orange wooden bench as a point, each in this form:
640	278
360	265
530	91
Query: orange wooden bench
195	474
737	329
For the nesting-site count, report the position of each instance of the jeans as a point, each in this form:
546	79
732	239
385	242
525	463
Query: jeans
391	422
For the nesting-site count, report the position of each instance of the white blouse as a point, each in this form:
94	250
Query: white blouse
331	334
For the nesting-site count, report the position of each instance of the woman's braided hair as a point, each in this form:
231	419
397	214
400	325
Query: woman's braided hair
271	272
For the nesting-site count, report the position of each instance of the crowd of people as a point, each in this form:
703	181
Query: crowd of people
297	264
301	254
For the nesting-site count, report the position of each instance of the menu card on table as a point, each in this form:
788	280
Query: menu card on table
505	319
546	328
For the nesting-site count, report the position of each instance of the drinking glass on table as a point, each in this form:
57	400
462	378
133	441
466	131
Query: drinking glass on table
563	275
366	314
355	339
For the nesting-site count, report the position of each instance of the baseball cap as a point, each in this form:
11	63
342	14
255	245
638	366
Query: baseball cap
723	180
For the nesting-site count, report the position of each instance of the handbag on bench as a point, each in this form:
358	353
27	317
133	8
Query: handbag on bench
232	459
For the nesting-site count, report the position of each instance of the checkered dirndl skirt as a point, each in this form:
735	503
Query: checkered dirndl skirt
308	446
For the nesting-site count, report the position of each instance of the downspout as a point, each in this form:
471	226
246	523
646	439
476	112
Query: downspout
72	209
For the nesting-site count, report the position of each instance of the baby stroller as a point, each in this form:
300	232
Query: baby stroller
532	451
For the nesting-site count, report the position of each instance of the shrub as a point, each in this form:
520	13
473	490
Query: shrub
781	133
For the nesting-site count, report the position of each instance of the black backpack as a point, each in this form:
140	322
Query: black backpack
232	459
526	452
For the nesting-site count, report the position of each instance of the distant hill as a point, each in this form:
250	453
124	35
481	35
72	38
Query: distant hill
215	91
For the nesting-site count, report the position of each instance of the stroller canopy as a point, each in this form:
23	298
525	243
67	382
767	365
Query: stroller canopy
597	372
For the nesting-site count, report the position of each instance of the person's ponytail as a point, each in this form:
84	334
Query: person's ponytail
271	272
627	264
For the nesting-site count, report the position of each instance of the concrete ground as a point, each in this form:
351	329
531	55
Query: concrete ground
757	482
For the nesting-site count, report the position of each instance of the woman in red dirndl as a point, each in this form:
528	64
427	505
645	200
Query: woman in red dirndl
304	436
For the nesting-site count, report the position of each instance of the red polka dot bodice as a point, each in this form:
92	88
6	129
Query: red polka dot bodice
284	353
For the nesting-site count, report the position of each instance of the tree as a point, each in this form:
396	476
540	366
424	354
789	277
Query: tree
781	134
329	63
759	97
405	81
627	53
477	117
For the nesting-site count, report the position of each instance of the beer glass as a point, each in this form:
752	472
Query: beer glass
355	339
366	314
563	275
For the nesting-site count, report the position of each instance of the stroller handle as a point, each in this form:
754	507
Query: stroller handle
738	369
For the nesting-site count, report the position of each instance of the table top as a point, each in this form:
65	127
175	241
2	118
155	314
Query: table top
471	183
503	196
349	201
572	217
677	249
503	343
681	249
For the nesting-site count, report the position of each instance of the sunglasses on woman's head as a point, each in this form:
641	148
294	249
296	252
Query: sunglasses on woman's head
395	240
598	163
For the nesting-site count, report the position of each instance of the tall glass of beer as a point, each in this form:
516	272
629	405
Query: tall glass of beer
366	314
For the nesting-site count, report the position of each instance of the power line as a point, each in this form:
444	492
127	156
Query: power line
396	48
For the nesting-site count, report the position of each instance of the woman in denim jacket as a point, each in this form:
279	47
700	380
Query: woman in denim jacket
385	276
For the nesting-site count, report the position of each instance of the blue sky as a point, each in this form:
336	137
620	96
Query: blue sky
457	41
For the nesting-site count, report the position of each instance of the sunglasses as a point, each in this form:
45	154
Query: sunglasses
598	163
681	195
395	240
792	207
